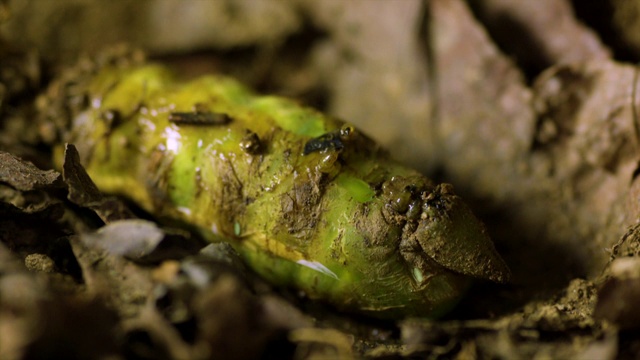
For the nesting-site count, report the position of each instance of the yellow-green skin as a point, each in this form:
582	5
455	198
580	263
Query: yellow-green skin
348	226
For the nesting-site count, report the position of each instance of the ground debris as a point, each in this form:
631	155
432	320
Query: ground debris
24	176
562	327
142	241
37	322
83	192
618	295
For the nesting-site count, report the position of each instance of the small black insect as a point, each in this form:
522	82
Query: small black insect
334	140
251	143
199	118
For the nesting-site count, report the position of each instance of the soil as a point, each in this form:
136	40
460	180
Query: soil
528	108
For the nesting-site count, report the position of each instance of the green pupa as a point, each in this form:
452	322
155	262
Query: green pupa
308	201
